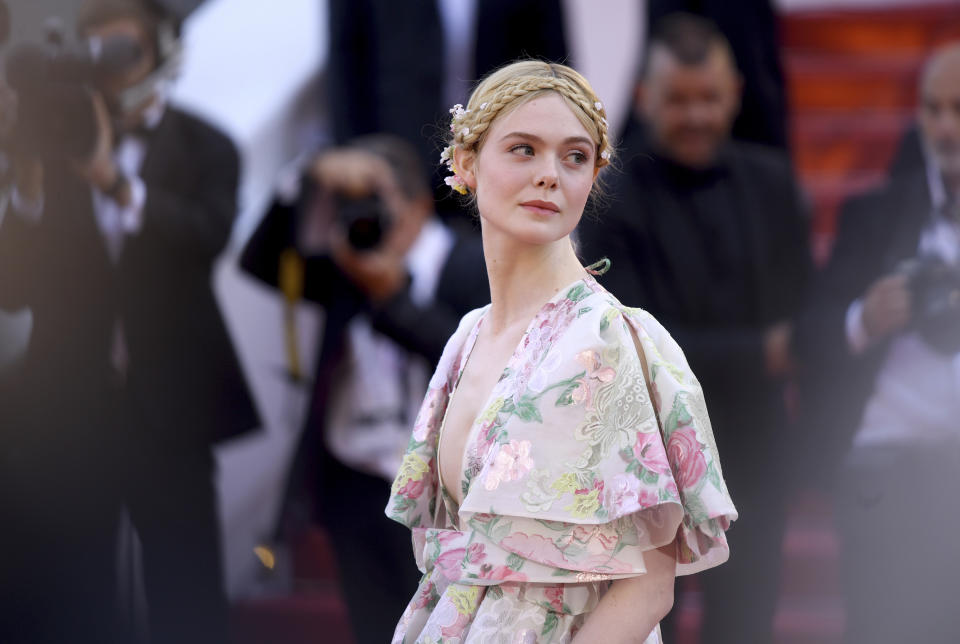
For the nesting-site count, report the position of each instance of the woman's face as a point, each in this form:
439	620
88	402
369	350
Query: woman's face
534	172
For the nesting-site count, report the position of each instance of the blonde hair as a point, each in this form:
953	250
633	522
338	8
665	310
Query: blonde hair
511	86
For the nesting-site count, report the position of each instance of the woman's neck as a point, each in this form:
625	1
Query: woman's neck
524	276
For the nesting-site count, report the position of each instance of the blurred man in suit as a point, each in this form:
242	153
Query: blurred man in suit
882	382
130	375
391	300
707	234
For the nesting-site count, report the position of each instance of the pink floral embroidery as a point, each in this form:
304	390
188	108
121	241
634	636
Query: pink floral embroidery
511	463
475	553
554	595
449	563
582	394
685	453
413	489
587	535
591	362
623	495
536	548
455	630
427	420
446	537
502	573
422	598
672	490
649	451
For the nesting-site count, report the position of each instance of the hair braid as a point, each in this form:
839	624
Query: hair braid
509	87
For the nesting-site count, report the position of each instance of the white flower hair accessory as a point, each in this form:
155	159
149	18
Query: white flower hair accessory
455	181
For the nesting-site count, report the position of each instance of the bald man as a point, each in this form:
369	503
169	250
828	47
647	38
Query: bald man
885	380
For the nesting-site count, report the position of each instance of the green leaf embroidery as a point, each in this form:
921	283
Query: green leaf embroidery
528	412
566	398
584	310
577	293
514	561
549	625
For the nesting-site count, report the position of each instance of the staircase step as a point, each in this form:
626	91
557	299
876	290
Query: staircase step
313	558
302	618
872	30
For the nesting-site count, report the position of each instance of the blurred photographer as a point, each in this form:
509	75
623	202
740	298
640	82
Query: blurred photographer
364	242
882	350
130	375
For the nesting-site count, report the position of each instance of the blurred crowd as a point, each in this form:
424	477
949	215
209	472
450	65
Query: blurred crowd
842	377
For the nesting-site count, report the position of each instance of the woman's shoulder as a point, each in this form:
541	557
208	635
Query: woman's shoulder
605	307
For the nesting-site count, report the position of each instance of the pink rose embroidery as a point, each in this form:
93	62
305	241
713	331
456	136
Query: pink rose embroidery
554	595
582	394
449	563
503	573
475	553
623	495
413	489
683	448
649	451
456	629
535	548
511	463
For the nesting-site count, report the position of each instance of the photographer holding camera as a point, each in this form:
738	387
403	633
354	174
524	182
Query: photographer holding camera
114	224
882	343
364	242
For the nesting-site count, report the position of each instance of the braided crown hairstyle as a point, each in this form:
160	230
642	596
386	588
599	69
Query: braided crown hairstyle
511	86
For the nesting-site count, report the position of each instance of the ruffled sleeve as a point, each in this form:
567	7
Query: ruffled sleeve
584	458
593	459
413	496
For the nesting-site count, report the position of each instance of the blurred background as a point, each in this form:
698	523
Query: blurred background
833	84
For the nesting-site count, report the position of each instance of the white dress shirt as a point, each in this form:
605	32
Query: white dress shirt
379	388
916	396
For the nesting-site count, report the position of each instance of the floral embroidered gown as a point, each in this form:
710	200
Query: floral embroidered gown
580	461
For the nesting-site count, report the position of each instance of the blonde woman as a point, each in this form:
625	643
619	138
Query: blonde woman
562	470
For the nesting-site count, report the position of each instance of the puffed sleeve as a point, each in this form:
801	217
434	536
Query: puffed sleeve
595	456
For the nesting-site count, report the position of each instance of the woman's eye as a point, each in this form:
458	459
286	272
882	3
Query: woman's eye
523	148
578	157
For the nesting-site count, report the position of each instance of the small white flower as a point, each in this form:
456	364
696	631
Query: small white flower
598	105
445	154
605	155
483	106
465	131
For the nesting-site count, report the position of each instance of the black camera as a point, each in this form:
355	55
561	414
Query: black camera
935	293
364	220
53	111
55	117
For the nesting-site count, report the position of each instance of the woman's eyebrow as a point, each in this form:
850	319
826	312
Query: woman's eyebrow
537	139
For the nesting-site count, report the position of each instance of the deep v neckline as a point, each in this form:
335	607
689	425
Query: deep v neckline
450	502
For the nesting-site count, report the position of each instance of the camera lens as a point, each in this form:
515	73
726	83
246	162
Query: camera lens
364	221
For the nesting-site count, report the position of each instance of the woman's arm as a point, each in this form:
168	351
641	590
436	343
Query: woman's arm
633	607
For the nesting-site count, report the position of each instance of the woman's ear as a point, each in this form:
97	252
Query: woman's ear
466	164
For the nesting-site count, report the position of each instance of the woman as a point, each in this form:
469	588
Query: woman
562	469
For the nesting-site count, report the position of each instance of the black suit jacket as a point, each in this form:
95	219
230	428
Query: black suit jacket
462	287
386	73
876	232
659	262
183	374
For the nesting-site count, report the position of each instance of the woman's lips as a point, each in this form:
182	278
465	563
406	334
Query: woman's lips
546	208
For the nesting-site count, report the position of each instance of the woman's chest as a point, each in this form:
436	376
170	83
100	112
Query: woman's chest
484	369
